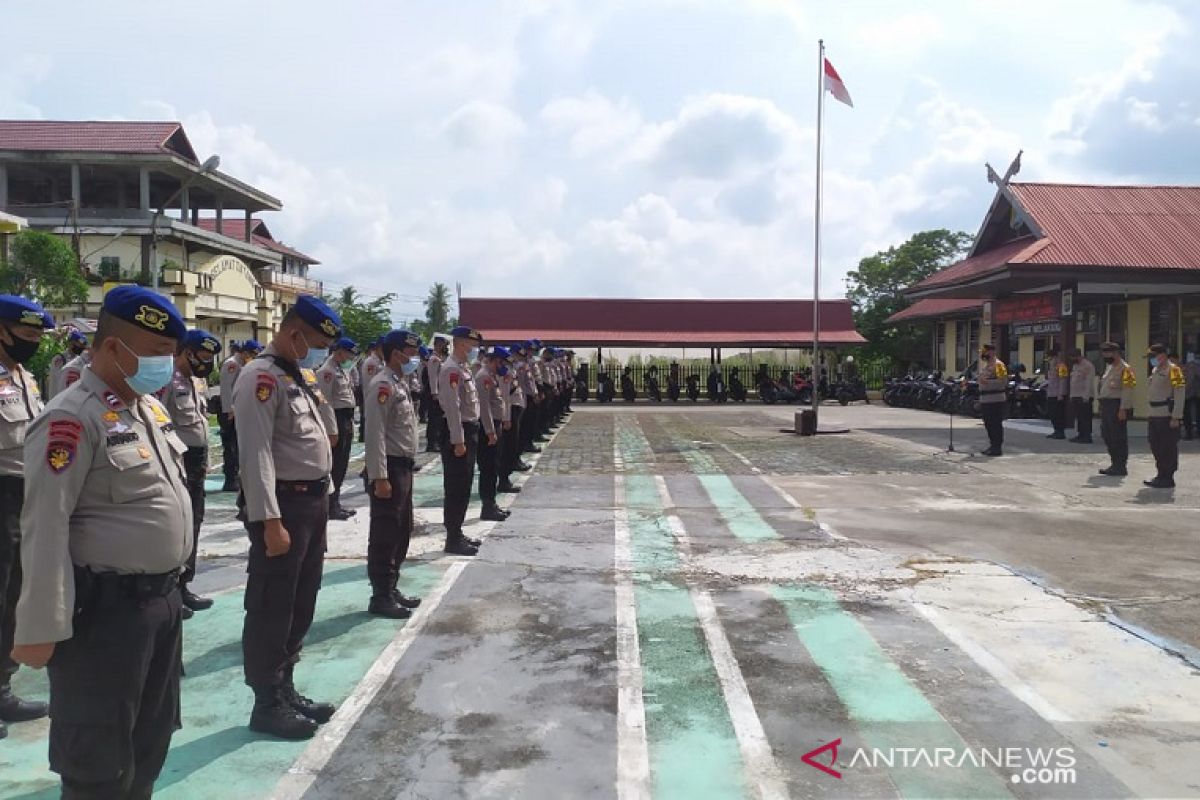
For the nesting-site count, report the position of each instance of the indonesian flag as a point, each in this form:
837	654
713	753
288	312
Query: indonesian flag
833	83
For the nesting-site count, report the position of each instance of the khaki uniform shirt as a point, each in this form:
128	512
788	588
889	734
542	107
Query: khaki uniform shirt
1165	391
391	422
1058	378
370	367
229	374
527	381
458	398
492	409
1083	380
104	489
1117	383
54	373
433	369
186	401
283	434
516	394
1192	372
993	381
20	402
71	372
337	384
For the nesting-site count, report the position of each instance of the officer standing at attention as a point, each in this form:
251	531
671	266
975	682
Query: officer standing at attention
433	371
72	370
1083	390
494	415
1191	409
527	378
1058	380
185	398
510	443
1116	406
338	388
391	460
1166	396
76	344
107	527
229	443
22	323
993	397
368	368
285	432
460	404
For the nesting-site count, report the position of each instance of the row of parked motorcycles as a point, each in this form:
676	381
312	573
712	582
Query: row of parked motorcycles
933	392
798	388
718	391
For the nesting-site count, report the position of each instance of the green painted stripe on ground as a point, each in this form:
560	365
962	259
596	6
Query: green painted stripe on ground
215	755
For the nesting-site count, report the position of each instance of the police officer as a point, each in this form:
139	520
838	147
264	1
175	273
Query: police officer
423	396
1116	406
1058	384
1191	407
527	378
1165	393
185	398
75	343
73	370
1082	391
368	368
510	442
993	397
22	323
285	434
107	527
391	460
229	443
338	388
496	421
460	404
433	371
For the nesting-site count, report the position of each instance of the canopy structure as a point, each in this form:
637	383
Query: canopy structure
660	323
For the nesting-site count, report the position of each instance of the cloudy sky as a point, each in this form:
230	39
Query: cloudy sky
650	148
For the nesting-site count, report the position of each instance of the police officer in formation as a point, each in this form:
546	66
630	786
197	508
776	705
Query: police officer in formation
22	324
496	421
1116	407
72	370
238	356
107	528
510	442
993	397
436	417
459	403
1058	386
337	383
76	343
1165	393
186	401
527	379
391	452
1082	389
368	368
286	431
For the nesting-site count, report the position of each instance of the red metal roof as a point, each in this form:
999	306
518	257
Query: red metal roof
658	322
235	228
982	264
933	307
146	138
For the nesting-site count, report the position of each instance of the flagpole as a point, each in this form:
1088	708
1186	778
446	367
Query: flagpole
816	377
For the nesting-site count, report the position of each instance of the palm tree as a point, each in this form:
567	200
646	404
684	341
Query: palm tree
437	308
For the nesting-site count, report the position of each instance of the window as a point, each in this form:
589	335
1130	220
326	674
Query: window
1118	323
1190	325
1164	322
110	267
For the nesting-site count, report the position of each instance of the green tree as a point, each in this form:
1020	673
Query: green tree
364	320
437	314
43	267
874	290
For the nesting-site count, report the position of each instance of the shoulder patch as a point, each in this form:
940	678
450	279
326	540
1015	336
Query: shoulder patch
454	378
1128	379
112	401
264	386
1177	379
232	368
60	456
384	393
70	377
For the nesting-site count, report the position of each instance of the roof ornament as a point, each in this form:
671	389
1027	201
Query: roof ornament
1013	169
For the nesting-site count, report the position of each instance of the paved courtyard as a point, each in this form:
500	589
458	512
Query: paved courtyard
689	603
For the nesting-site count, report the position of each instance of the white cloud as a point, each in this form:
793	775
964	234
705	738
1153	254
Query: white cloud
593	123
484	126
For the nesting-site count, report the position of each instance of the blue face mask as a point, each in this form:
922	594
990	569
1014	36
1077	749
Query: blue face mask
153	373
410	366
315	358
503	370
473	355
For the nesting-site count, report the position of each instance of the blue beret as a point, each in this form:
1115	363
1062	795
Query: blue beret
145	309
467	332
251	346
401	338
517	348
76	335
346	343
202	340
424	351
234	346
499	351
317	314
14	308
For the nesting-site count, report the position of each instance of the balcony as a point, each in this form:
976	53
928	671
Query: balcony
292	284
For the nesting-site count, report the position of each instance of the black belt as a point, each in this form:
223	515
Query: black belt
403	461
474	424
100	587
1160	403
318	487
994	391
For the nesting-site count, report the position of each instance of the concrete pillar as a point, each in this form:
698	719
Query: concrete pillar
76	191
144	189
249	222
1138	327
220	214
1025	353
3	186
952	367
185	205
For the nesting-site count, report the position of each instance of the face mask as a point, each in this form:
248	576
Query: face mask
1109	359
201	369
347	364
315	358
410	366
153	373
21	350
503	370
473	354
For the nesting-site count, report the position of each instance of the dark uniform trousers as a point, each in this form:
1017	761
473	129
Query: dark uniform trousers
229	447
1057	411
1115	432
281	592
510	450
993	422
362	416
1083	417
12	498
114	687
458	475
391	525
435	426
529	423
1191	415
1164	444
341	453
195	469
489	467
545	409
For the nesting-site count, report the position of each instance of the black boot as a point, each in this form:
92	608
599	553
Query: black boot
386	605
274	715
506	487
459	545
317	712
493	513
521	466
1114	471
14	709
401	600
194	601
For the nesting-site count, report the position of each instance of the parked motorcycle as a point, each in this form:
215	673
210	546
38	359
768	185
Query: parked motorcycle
604	388
693	387
581	385
853	390
737	390
652	390
716	386
628	392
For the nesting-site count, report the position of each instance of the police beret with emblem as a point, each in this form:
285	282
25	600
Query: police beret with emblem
424	351
1110	347
401	338
251	346
317	314
499	351
1157	350
145	309
14	308
346	344
201	340
76	335
235	346
467	332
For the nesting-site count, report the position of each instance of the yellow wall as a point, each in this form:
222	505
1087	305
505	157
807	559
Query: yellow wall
1135	350
1025	353
951	347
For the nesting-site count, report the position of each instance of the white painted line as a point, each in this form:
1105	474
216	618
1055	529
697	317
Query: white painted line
794	503
633	751
739	457
300	777
762	771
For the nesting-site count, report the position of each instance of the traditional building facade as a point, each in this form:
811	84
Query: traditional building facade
138	205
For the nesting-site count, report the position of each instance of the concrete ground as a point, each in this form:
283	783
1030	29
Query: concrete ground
688	602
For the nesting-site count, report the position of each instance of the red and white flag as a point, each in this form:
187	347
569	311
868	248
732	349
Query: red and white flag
833	83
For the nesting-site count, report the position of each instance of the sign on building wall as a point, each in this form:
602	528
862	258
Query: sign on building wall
1037	328
1031	308
1068	302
